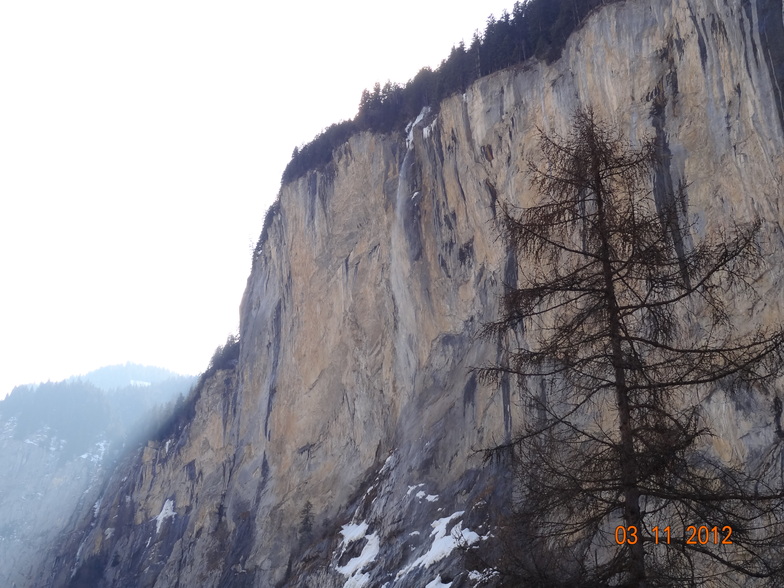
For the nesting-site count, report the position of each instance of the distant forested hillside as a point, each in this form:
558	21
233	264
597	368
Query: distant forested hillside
130	374
534	29
76	414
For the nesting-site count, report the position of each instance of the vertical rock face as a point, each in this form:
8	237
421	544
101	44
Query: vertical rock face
341	450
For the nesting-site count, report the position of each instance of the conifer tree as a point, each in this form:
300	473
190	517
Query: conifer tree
615	338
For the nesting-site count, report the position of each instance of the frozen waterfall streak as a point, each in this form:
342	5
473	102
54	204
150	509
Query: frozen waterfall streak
400	272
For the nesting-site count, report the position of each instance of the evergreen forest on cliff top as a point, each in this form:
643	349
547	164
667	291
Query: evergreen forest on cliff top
534	29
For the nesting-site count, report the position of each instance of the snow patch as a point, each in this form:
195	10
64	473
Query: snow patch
483	576
355	578
437	583
108	532
101	448
412	488
355	565
469	537
97	507
9	427
97	455
429	497
79	551
443	543
167	512
353	533
387	464
357	581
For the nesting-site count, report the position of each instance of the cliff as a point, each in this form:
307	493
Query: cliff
341	449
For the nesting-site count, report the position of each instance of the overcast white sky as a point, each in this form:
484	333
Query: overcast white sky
141	143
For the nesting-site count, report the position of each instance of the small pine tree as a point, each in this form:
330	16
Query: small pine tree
306	519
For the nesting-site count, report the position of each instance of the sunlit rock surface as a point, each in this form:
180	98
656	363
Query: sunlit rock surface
341	450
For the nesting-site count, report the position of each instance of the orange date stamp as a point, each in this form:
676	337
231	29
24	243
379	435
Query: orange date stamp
694	535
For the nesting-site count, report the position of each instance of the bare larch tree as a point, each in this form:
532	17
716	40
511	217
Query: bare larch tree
616	337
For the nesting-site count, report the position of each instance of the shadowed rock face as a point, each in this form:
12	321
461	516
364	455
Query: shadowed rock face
40	488
353	393
58	443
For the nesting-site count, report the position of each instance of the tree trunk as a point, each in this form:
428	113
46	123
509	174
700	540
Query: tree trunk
627	458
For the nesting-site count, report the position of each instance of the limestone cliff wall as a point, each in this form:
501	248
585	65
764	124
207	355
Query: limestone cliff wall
340	451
